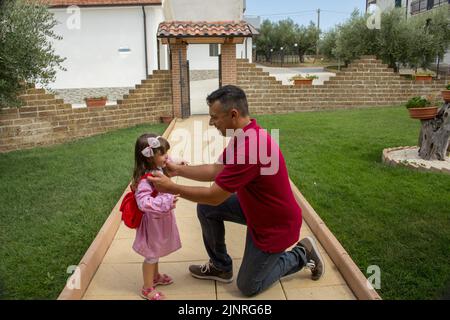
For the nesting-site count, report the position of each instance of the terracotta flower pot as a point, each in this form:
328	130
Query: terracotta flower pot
303	82
424	78
423	113
95	102
446	95
166	119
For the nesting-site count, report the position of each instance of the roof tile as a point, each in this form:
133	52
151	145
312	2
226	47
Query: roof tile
170	29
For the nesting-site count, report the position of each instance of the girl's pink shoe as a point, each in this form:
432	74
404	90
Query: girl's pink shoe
162	279
151	294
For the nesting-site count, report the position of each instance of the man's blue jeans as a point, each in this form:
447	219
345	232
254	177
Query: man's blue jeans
259	269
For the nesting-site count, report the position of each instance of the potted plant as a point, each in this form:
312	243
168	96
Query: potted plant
421	108
446	93
95	101
300	80
424	76
166	119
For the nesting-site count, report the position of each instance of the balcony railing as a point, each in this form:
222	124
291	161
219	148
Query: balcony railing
426	5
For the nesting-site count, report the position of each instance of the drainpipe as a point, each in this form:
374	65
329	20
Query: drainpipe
407	5
145	40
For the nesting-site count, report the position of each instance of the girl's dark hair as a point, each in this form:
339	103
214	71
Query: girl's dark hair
143	164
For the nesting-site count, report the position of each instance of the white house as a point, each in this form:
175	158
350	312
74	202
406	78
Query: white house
111	45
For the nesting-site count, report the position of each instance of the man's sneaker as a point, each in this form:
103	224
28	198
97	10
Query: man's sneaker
314	260
209	272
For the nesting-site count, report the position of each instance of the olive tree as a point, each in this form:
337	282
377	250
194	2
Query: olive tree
27	54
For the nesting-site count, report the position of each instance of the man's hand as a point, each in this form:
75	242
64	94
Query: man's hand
172	168
161	182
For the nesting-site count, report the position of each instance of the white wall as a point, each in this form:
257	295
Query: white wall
447	58
155	16
199	59
93	59
203	10
244	50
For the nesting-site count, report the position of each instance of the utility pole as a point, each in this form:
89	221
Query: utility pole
318	28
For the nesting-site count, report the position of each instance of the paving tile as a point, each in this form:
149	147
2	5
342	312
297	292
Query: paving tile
302	279
235	238
339	292
275	292
186	208
124	232
130	297
192	247
125	280
121	251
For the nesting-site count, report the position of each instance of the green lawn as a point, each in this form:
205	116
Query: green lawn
54	201
396	218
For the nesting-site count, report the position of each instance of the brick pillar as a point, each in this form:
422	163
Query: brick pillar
176	89
229	69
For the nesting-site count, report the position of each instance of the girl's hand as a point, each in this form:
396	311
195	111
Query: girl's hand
183	163
175	200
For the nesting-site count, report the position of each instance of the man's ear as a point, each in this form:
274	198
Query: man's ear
234	113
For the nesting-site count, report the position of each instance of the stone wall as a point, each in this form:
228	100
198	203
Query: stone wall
46	120
366	82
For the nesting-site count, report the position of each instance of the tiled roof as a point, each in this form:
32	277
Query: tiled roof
170	29
64	3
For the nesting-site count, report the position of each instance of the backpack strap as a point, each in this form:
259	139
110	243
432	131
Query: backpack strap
154	192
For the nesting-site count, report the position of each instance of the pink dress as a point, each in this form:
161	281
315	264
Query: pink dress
157	236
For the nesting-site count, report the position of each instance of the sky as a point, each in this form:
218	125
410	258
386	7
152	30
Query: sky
303	11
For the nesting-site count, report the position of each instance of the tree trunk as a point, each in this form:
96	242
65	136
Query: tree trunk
434	135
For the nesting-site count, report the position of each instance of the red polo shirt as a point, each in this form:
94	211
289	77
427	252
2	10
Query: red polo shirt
255	169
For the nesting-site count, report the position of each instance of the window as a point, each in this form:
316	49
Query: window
214	50
398	3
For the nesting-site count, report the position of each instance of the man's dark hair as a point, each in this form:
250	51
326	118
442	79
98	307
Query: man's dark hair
230	97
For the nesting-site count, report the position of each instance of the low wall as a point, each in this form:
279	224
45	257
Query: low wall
46	120
366	82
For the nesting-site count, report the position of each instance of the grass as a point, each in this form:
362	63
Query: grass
54	201
393	217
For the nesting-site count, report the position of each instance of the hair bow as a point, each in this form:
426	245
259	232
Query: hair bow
152	143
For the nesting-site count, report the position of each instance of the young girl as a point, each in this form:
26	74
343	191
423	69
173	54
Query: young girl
157	236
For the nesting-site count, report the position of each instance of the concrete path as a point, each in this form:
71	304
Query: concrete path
120	277
199	91
284	74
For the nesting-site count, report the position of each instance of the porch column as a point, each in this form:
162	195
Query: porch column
175	70
229	69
